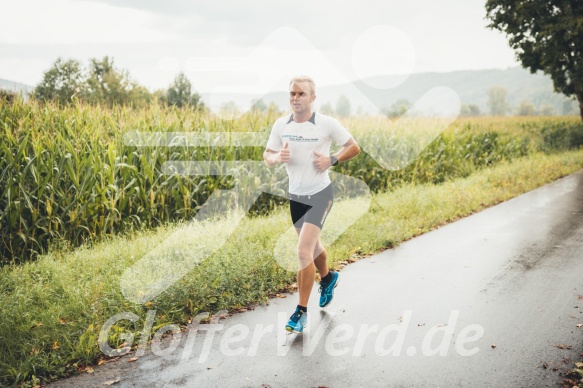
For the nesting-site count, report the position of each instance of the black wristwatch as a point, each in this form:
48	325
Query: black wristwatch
333	160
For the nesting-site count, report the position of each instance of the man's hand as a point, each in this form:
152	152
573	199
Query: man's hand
271	158
284	154
321	162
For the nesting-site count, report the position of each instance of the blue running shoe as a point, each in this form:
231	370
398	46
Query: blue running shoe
327	289
297	322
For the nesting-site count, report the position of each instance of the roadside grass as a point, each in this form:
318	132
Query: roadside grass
52	309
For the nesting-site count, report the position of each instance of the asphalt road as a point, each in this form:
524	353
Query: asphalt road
487	301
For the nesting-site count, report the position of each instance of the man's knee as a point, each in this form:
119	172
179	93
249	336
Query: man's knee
319	250
305	256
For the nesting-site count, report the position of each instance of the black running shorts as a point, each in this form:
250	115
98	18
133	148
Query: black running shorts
311	208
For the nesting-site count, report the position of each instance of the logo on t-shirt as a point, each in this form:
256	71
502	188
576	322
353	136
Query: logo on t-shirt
299	138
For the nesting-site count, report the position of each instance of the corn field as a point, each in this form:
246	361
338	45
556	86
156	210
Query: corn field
67	176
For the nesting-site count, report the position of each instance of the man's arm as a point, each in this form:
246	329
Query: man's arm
349	150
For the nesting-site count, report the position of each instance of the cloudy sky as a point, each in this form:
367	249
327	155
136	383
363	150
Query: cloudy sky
250	45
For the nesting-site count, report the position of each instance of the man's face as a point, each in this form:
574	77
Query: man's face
301	97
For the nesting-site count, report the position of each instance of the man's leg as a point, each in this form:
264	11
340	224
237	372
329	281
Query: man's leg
321	258
308	241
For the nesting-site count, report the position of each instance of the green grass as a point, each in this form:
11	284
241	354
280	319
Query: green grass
52	309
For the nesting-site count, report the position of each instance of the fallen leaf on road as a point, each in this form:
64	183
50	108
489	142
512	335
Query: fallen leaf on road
101	362
561	346
89	369
579	364
111	382
214	366
133	359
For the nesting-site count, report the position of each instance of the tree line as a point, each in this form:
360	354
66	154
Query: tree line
104	84
497	105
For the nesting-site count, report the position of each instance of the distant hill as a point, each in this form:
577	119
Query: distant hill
24	89
470	85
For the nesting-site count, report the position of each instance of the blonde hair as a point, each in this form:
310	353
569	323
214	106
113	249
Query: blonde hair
304	78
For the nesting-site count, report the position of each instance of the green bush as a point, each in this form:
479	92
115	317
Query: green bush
564	137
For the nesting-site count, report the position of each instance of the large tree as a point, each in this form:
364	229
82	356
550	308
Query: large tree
397	109
526	108
180	92
61	82
497	101
327	109
111	86
343	106
546	35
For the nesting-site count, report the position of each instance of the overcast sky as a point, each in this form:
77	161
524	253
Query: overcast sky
240	45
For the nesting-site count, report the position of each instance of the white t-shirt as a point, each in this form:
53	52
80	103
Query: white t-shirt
316	134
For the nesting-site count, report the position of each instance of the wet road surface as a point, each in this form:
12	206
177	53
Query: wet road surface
485	302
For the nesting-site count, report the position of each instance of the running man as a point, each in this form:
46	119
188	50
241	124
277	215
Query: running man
302	141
